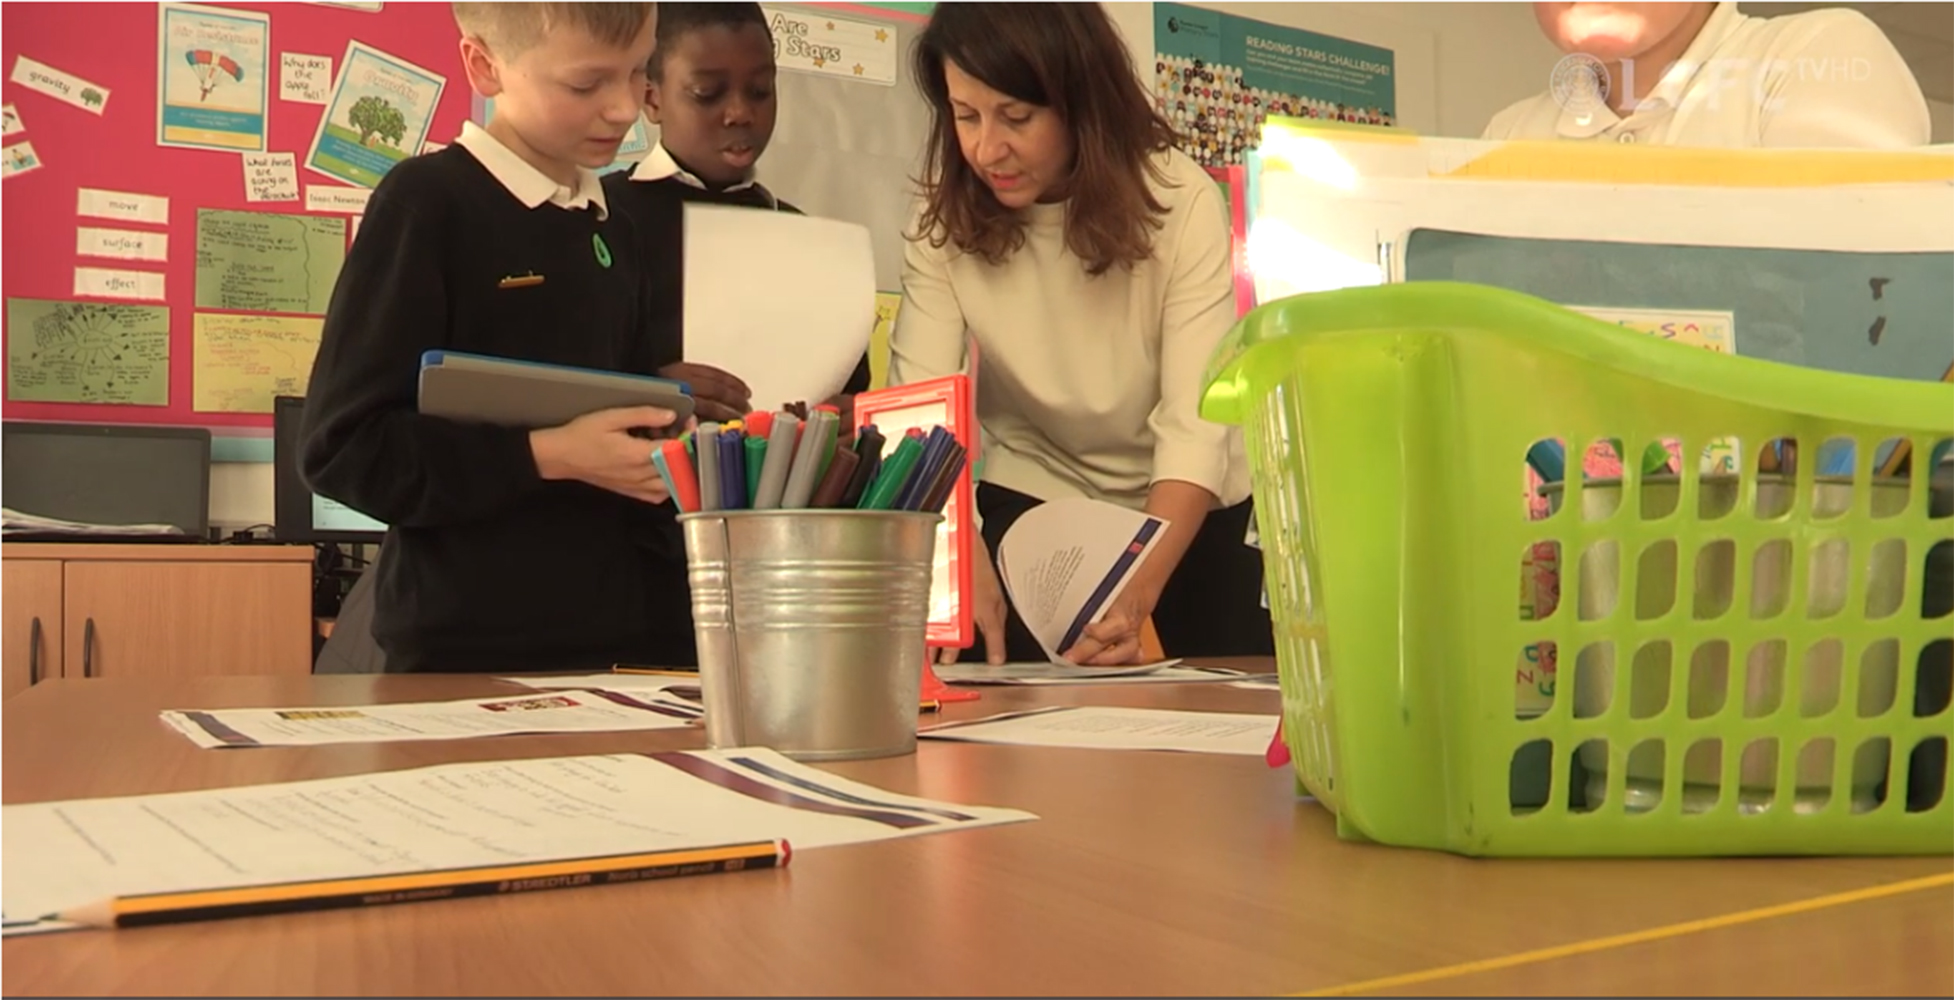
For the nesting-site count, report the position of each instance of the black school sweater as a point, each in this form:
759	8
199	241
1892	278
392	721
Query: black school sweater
488	567
657	211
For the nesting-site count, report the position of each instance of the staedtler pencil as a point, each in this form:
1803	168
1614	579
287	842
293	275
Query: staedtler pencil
415	887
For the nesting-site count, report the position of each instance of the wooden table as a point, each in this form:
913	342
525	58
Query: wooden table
1147	873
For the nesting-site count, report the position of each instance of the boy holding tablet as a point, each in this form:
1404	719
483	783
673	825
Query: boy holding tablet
509	549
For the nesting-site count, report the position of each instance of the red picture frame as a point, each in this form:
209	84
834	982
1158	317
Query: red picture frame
947	401
1234	191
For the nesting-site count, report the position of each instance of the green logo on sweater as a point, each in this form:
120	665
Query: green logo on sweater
603	251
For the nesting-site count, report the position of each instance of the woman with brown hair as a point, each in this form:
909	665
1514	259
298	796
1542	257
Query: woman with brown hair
1088	260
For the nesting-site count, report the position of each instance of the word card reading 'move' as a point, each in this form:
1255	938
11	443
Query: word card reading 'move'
123	206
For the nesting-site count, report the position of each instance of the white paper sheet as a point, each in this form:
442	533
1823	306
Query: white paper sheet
1066	561
637	685
1100	728
799	337
1062	674
61	855
553	712
1258	684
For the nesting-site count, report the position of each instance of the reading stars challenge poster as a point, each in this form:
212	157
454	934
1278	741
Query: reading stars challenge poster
1216	76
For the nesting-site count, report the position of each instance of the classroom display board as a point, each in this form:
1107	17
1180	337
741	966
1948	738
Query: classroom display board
1217	76
185	181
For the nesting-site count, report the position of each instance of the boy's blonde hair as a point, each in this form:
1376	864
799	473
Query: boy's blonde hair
510	28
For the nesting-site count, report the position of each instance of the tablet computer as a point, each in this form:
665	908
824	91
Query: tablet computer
482	389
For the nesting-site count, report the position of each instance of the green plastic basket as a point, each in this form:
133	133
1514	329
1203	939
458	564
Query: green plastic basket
1388	428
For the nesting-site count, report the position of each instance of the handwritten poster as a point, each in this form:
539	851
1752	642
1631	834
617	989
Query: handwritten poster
263	262
379	114
40	77
212	77
241	362
810	42
271	177
304	79
87	352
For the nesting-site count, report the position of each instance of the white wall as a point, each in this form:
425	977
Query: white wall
1457	63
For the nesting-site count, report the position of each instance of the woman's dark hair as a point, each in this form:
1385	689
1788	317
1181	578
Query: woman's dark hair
1067	57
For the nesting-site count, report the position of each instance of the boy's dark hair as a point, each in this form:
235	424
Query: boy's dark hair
1067	57
510	28
676	20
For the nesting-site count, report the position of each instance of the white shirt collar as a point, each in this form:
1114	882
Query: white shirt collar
659	165
531	186
1588	122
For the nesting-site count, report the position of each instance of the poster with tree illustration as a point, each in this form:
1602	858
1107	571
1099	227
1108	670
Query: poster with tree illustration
212	77
378	115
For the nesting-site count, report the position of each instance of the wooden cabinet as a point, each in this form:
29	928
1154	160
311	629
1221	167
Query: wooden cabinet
30	638
167	610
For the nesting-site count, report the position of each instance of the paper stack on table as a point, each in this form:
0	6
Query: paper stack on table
1064	563
555	712
62	855
1119	729
1065	674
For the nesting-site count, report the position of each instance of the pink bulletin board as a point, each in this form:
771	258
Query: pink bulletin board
115	46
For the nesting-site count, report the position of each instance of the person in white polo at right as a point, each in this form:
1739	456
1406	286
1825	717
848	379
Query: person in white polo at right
1702	74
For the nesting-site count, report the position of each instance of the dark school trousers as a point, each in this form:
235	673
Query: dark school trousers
1212	606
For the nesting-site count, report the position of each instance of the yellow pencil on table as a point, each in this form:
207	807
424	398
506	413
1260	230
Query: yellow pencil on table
415	887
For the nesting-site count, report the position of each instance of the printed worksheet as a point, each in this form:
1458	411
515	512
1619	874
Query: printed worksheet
1100	728
678	684
1066	561
1065	674
60	856
553	712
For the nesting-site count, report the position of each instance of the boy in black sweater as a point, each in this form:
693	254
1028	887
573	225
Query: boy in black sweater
509	550
711	93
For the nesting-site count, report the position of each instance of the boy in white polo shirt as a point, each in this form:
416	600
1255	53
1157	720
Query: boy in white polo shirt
1702	74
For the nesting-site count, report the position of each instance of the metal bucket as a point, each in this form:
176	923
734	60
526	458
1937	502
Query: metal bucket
1760	681
811	627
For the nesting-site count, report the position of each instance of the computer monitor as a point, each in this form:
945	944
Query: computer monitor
300	515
